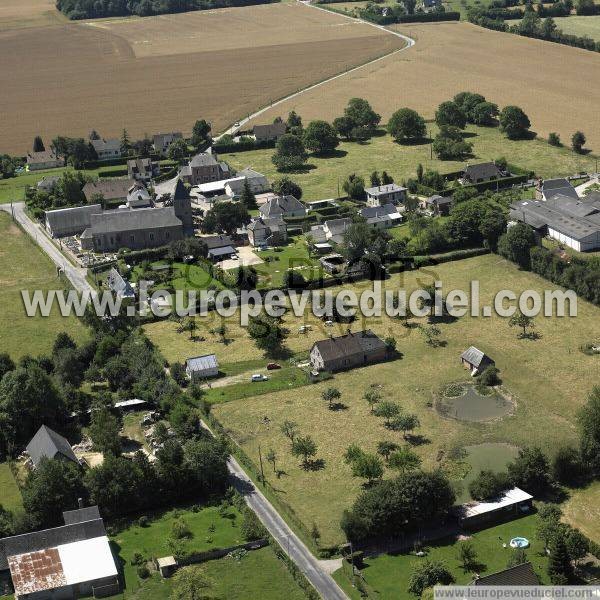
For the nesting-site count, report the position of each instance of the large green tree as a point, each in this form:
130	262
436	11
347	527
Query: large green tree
320	137
406	124
290	153
54	486
514	122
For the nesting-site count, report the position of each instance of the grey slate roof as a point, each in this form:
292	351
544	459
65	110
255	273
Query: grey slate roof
487	170
204	159
281	205
81	515
577	218
371	212
476	357
223	251
162	139
119	285
47	184
77	217
115	221
217	241
49	538
270	131
380	190
102	145
519	575
338	226
46	443
202	363
363	342
553	187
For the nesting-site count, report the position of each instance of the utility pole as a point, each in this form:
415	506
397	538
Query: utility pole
262	473
430	146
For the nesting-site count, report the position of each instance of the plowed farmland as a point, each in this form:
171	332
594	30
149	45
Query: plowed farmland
557	86
70	78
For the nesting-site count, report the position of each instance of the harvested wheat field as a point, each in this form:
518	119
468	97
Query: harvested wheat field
103	76
17	14
557	86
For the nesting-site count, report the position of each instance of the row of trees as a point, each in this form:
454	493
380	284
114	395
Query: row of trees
320	137
93	9
532	24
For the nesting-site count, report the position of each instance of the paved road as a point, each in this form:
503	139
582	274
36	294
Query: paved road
409	44
286	538
290	543
75	275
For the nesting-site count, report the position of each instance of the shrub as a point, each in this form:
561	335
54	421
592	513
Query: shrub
180	529
489	377
554	139
143	572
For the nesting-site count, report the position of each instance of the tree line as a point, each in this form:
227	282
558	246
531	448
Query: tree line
534	26
93	9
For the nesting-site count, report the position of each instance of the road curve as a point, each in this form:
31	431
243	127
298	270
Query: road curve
74	274
409	44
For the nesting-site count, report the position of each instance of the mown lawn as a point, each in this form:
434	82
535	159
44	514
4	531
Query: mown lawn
582	510
152	541
389	575
324	177
278	261
286	378
23	266
10	497
259	574
549	379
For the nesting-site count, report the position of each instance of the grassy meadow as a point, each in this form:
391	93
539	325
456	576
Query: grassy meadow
548	379
10	498
323	177
25	267
582	510
577	25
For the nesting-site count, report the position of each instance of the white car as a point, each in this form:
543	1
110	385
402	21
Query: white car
259	377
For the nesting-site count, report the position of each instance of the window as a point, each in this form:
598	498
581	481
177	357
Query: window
151	236
132	238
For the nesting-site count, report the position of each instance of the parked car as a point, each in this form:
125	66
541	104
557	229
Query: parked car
273	366
259	377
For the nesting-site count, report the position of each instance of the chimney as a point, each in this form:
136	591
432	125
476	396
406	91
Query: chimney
80	502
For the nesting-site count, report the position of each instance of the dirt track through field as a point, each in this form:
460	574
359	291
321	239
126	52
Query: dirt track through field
558	86
72	78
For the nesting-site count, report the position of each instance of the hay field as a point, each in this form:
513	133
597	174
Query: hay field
230	29
541	77
72	78
18	14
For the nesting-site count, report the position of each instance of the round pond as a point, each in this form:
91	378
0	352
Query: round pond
474	406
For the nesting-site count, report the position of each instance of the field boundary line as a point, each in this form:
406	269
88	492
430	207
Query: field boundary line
410	42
